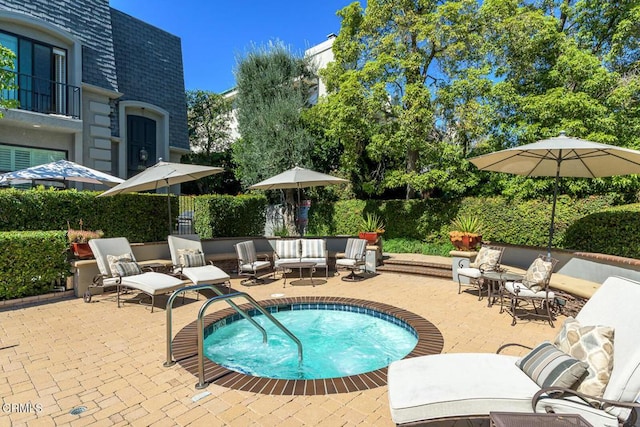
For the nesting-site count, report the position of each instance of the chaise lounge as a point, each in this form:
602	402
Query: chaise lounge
118	267
471	385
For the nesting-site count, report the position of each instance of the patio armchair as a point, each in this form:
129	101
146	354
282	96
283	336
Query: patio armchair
487	259
118	267
443	387
248	263
188	261
532	289
354	258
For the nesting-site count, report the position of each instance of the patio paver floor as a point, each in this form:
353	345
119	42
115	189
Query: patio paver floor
64	354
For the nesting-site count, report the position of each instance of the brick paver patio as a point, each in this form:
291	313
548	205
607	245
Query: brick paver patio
60	355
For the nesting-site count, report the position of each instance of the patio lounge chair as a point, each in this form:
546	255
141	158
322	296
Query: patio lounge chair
248	263
534	289
471	385
487	259
118	267
188	260
354	258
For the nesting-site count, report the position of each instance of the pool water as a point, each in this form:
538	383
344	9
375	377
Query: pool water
334	343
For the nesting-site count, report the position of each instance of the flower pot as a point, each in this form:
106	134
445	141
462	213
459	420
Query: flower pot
467	243
370	236
82	250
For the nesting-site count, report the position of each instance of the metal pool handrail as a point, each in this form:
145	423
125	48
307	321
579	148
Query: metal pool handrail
200	329
174	295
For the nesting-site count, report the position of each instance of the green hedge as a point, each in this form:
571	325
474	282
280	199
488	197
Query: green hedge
507	221
230	216
31	262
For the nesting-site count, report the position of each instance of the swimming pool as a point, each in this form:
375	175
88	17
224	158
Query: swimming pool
185	351
337	339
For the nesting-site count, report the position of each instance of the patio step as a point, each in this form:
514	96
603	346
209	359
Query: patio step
422	268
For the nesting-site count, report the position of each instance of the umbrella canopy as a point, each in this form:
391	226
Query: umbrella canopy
162	174
61	170
297	178
562	156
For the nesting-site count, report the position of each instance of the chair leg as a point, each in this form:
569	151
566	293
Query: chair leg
514	303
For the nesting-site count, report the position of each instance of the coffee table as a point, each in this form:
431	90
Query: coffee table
498	278
299	265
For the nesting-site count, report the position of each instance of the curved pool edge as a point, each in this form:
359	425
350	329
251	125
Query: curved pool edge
430	341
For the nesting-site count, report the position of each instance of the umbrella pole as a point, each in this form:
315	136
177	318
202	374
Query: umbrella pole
553	208
169	206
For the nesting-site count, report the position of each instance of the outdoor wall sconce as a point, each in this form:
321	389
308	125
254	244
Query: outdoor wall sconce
143	155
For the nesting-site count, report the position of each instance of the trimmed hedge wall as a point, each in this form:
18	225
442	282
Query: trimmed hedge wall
230	216
32	262
506	221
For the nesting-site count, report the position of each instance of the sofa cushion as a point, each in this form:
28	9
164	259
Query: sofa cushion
550	367
592	345
288	248
472	272
313	248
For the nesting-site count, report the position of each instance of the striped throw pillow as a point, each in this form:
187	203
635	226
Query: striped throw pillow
112	260
313	248
194	259
127	268
550	367
287	248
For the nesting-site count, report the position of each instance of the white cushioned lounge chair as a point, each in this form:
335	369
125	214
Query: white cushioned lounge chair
117	267
188	260
248	263
470	385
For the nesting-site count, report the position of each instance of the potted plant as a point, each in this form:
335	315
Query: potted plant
79	240
466	232
372	227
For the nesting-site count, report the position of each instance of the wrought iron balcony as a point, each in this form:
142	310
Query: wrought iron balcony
44	96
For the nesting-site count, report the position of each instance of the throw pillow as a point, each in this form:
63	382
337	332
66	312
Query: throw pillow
112	260
194	260
182	252
127	268
535	277
487	259
550	367
592	345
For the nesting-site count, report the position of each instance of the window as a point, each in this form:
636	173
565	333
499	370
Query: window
41	72
13	158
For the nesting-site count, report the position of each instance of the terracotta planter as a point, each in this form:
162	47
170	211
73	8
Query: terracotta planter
370	236
82	250
467	243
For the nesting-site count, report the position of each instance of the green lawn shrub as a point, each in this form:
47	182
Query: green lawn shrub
230	216
32	262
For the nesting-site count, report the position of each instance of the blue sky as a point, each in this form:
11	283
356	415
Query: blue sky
215	32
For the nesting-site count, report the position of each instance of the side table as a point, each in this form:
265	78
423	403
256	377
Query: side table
524	419
498	278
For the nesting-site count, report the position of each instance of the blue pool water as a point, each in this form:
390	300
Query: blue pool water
335	344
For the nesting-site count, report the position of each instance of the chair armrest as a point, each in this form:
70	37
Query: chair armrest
595	402
512	344
99	278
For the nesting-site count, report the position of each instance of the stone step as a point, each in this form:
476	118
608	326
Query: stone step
422	268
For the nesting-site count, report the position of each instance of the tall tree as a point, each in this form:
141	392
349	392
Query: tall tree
391	60
273	89
209	121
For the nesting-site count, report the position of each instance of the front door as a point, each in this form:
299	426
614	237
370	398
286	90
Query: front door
141	139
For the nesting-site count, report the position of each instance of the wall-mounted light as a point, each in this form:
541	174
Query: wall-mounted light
143	155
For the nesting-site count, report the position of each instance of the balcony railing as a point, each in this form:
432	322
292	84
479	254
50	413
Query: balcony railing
44	96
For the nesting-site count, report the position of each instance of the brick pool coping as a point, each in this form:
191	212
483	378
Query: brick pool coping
185	350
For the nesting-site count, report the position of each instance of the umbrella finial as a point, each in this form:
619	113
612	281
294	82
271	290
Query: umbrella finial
562	134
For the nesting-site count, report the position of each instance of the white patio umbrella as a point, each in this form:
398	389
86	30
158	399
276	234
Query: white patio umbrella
297	178
562	156
162	174
61	170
